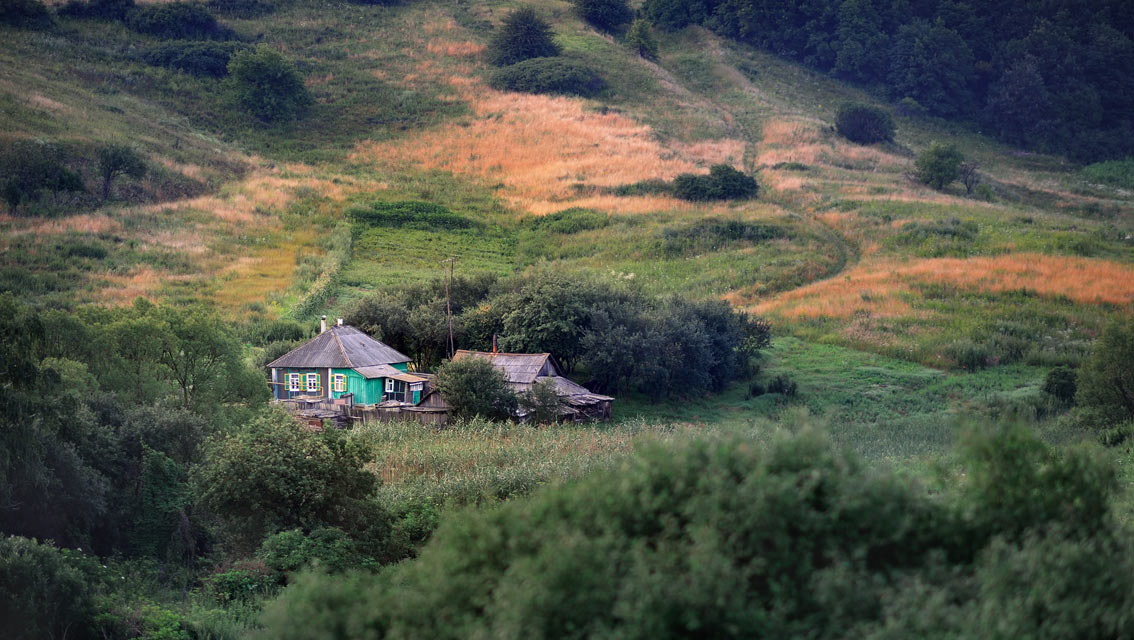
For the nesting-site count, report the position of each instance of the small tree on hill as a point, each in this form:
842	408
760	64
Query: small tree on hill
263	84
523	35
938	165
115	160
864	124
641	38
607	15
473	387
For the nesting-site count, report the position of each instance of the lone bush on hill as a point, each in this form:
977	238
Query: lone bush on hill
723	183
473	387
641	38
864	124
549	75
607	15
116	160
30	168
938	165
263	84
523	35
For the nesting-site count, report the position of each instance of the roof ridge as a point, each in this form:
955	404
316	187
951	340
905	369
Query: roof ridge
342	350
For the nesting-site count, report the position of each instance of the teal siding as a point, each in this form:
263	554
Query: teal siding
365	391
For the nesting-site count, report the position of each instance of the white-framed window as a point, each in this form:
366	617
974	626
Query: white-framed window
389	385
339	384
293	382
312	383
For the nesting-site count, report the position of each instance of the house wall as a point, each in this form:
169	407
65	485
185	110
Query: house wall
283	392
365	391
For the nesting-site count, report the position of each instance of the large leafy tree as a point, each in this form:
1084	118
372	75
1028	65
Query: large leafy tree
263	84
473	387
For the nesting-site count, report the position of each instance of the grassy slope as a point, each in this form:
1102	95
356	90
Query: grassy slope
241	216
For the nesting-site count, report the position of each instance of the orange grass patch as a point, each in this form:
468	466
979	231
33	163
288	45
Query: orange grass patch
878	287
455	49
83	223
539	148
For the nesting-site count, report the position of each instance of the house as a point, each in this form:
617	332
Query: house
343	365
523	370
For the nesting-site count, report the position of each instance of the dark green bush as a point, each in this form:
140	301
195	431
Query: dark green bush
969	355
43	593
640	38
473	387
864	124
607	15
97	9
723	183
1106	380
652	186
202	59
412	214
31	168
523	35
25	14
177	20
1060	384
938	165
263	84
783	385
247	580
1117	173
548	75
570	221
712	234
330	547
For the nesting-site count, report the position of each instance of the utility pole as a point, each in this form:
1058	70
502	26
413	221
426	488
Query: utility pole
449	303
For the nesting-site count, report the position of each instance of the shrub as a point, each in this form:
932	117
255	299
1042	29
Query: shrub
30	168
723	183
783	385
264	85
938	165
1060	384
473	387
542	402
202	59
180	20
969	355
248	580
523	35
570	221
864	124
411	214
606	15
641	39
1106	379
713	234
548	75
330	547
25	14
42	593
97	9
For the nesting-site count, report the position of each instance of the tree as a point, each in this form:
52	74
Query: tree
43	594
641	39
864	124
1106	380
970	176
32	167
542	401
933	65
116	160
938	165
607	15
25	14
523	35
263	84
272	475
203	358
1060	384
473	387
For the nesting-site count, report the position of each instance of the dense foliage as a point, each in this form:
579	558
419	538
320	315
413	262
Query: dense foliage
625	341
33	169
473	387
1106	380
607	15
411	214
204	59
549	75
263	84
116	160
864	124
722	183
721	538
25	14
1046	75
180	20
523	35
640	37
938	165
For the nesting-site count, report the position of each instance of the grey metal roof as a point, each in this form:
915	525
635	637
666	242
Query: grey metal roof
377	371
518	368
340	347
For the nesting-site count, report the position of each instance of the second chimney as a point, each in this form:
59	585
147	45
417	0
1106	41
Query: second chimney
340	322
323	325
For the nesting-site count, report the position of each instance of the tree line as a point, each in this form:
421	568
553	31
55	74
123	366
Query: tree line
1051	76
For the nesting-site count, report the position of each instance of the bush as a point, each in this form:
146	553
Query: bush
969	355
31	168
201	59
1060	384
723	183
42	593
548	75
938	165
641	39
1106	380
411	214
116	160
25	14
783	385
176	20
541	403
864	124
264	85
571	221
713	234
523	35
473	387
606	15
245	581
97	9
330	547
1117	173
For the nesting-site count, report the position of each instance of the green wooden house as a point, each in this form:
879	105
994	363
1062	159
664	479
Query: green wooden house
345	363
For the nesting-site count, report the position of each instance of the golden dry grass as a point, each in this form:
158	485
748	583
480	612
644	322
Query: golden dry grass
878	287
538	148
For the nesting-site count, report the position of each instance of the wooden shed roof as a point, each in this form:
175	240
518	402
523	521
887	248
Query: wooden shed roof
518	368
340	347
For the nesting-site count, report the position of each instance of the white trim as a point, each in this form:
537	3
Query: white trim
312	377
294	382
